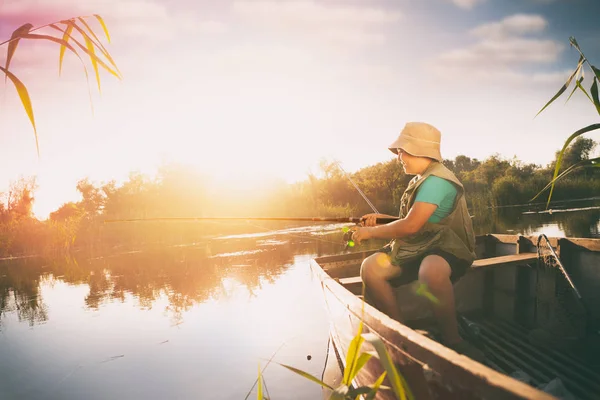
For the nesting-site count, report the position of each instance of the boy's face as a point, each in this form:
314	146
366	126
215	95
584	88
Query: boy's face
407	161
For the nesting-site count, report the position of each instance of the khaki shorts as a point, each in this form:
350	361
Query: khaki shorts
410	272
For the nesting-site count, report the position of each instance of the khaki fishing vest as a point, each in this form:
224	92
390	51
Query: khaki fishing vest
453	234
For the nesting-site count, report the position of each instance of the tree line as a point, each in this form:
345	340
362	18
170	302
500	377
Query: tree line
180	191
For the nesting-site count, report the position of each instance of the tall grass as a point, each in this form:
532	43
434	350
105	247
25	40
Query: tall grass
577	77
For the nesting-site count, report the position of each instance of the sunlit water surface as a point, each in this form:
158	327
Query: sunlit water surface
193	321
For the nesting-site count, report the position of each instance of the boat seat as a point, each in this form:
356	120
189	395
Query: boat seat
354	283
504	261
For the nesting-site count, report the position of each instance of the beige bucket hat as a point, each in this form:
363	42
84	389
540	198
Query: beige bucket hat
419	139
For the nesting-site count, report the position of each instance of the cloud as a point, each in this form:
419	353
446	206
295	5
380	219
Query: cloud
505	52
125	18
551	78
467	4
311	21
137	28
502	76
501	52
518	24
311	13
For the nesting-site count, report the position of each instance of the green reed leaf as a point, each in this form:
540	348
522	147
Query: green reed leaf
594	91
90	47
399	384
307	376
596	71
259	394
25	100
591	163
63	48
355	393
574	43
565	86
563	150
61	42
90	31
82	47
360	362
580	132
14	42
580	87
99	45
577	84
352	356
339	393
99	18
423	290
376	387
67	45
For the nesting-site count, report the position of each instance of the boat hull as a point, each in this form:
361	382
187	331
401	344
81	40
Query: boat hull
432	370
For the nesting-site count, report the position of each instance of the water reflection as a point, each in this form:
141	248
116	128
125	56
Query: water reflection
189	274
19	292
577	223
186	275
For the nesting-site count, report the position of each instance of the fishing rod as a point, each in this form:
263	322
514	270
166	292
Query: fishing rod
354	220
347	235
364	196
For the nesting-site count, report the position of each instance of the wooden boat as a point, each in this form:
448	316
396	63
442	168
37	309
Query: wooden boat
505	296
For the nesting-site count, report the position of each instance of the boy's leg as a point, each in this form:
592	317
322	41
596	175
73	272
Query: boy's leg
376	271
435	272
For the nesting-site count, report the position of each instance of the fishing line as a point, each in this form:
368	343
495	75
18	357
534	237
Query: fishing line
576	311
264	369
357	188
544	203
265	230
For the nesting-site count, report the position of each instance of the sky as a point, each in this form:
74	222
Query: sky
253	90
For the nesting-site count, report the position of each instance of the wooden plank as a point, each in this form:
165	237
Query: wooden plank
353	284
512	259
587	244
523	306
590	244
487	300
350	281
502	238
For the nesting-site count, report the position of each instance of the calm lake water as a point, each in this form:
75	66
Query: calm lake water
192	321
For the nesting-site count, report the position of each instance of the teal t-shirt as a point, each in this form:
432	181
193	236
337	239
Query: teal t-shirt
438	191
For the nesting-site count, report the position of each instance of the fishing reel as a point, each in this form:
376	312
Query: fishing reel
347	238
348	242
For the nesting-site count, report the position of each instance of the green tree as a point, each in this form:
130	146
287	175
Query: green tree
19	199
93	199
65	212
579	151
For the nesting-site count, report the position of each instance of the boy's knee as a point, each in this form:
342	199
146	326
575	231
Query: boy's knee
434	271
376	266
365	269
